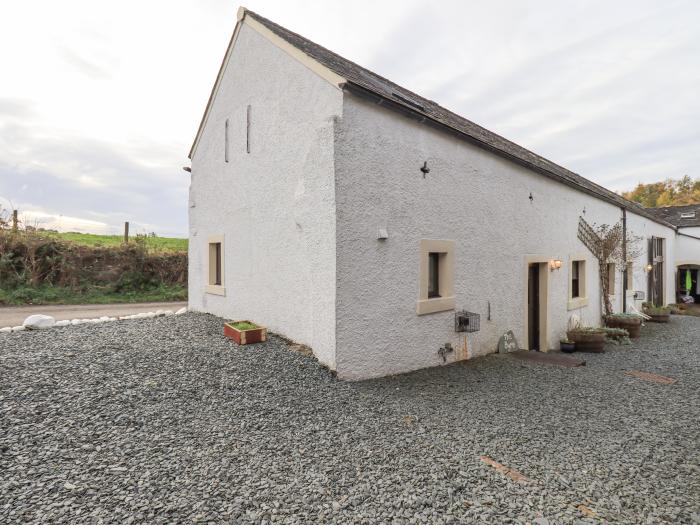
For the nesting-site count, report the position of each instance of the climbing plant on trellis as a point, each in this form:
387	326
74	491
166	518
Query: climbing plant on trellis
605	243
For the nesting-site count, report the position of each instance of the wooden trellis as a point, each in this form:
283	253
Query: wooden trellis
588	236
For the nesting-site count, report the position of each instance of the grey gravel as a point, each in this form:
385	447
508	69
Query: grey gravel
165	420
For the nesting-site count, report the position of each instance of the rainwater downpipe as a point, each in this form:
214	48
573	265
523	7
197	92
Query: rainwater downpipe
624	259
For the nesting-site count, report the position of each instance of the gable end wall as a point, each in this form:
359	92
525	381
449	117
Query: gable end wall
275	206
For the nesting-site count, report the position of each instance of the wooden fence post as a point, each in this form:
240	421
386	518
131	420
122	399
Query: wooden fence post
14	220
126	232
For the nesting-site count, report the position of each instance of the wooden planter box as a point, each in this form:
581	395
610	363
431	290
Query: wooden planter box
587	341
245	337
659	318
633	325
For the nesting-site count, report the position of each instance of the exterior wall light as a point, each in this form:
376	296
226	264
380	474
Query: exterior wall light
649	267
554	264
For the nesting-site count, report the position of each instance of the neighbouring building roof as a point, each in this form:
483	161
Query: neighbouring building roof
680	216
364	82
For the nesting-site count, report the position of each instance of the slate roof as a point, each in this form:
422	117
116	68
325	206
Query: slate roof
362	80
673	214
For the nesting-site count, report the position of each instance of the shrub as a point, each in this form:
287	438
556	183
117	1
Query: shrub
31	260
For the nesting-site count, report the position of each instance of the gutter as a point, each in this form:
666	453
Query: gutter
413	113
687	235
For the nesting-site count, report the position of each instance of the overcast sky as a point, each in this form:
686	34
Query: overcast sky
100	100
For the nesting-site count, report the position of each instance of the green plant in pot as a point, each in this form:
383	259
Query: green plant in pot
586	338
566	345
630	322
658	314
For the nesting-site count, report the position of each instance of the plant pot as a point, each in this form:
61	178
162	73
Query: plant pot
567	347
659	318
245	337
633	325
587	341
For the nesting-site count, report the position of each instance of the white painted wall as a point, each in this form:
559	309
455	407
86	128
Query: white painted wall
471	196
274	206
688	249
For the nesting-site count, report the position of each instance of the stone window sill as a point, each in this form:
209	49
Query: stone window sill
215	289
578	302
436	304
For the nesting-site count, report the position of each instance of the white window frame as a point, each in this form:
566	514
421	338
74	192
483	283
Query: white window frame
211	286
446	301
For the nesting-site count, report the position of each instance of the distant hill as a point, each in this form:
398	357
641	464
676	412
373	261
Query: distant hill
670	192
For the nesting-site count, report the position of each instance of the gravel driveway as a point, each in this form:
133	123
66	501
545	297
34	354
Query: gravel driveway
165	421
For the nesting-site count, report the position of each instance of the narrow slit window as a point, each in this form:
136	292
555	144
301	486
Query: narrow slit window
576	279
611	278
215	273
217	265
247	130
630	276
226	141
433	274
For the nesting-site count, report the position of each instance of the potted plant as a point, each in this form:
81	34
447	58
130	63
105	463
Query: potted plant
658	314
630	322
587	338
565	345
245	332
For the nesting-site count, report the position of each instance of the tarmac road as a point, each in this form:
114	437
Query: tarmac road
15	315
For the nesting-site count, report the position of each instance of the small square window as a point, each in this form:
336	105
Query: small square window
436	286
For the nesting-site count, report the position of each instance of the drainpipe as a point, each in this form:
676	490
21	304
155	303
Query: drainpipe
624	259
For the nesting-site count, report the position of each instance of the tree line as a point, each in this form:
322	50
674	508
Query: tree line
670	192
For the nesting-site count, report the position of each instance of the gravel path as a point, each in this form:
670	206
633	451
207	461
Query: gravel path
164	421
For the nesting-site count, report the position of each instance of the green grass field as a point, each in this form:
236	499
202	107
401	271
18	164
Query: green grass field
158	244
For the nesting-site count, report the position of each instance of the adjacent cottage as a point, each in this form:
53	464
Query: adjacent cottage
384	231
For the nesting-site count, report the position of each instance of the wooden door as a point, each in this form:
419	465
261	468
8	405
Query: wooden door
533	306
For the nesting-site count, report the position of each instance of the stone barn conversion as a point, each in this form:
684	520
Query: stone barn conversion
373	225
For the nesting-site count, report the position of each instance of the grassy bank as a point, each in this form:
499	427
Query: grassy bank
93	295
156	244
42	267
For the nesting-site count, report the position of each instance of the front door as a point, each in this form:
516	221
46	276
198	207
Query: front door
533	306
